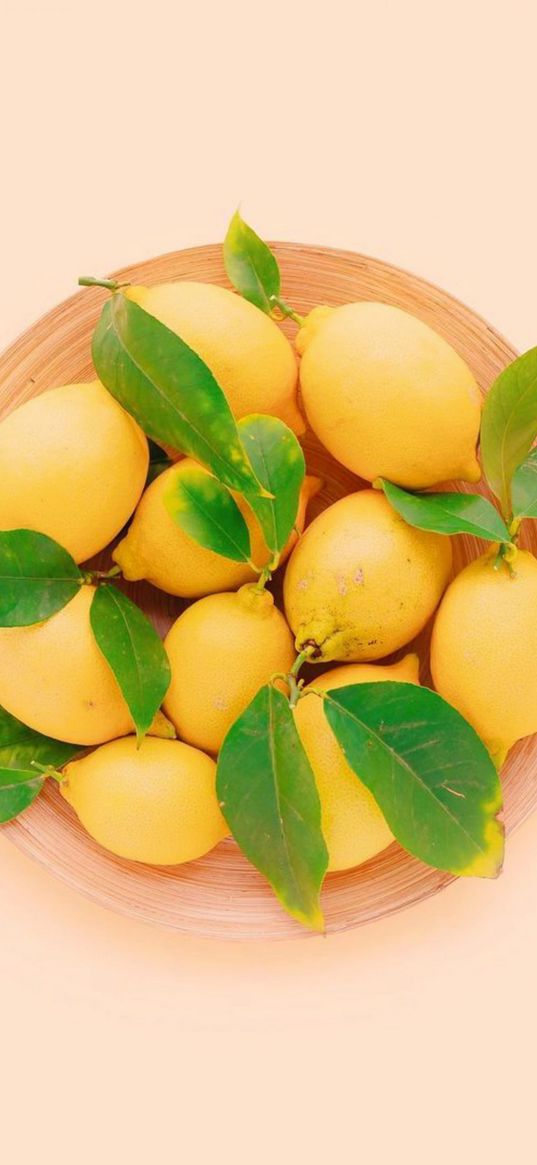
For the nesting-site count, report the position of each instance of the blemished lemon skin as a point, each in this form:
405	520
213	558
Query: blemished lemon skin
54	678
155	804
484	649
361	583
352	823
247	353
155	547
73	465
388	397
222	650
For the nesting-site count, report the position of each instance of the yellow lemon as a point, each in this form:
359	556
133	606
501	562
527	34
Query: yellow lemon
73	465
247	353
155	548
54	678
388	397
484	649
156	803
360	582
222	650
352	823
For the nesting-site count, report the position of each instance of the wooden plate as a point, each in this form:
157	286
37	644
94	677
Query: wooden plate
221	896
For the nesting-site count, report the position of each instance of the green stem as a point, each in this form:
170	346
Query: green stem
48	771
263	579
287	311
108	284
300	659
99	576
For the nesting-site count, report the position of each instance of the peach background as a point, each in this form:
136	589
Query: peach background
405	131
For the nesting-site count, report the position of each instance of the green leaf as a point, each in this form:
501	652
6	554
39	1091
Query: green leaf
448	513
250	264
169	390
525	488
279	465
269	798
20	783
158	462
134	652
37	578
509	425
429	772
206	511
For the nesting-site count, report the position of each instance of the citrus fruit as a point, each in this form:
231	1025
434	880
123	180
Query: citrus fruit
361	583
245	350
484	649
155	803
352	823
73	465
387	396
155	547
54	678
222	650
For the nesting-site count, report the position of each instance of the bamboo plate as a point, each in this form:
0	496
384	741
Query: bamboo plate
221	896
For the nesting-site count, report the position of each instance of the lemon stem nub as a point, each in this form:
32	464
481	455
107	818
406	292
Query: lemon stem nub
263	579
286	311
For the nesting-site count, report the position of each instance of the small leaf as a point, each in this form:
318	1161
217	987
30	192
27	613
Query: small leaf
134	652
37	578
19	781
250	264
206	511
525	488
509	425
448	513
158	462
429	772
279	465
169	390
269	799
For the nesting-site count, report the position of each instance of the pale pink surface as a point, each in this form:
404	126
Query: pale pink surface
409	137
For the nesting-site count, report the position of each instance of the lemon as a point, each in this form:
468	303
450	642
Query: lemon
247	353
484	649
352	823
156	803
54	678
73	465
222	650
388	397
155	548
360	582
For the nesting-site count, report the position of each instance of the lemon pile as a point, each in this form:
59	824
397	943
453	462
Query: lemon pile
388	398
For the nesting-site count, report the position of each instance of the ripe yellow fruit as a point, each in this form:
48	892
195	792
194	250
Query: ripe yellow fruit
222	650
156	803
352	823
73	465
388	396
156	549
361	583
484	649
54	678
247	353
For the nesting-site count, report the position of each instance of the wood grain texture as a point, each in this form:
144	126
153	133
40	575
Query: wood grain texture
221	896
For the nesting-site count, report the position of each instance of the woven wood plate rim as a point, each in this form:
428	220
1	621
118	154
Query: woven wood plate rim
221	896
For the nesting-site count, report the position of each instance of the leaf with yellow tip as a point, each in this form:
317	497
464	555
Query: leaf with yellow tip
428	770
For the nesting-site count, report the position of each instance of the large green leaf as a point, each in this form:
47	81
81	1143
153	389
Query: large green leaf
448	513
169	390
250	264
429	772
269	798
509	425
20	782
37	578
134	652
206	511
279	464
525	488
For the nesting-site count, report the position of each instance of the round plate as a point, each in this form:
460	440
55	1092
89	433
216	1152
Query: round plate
221	896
